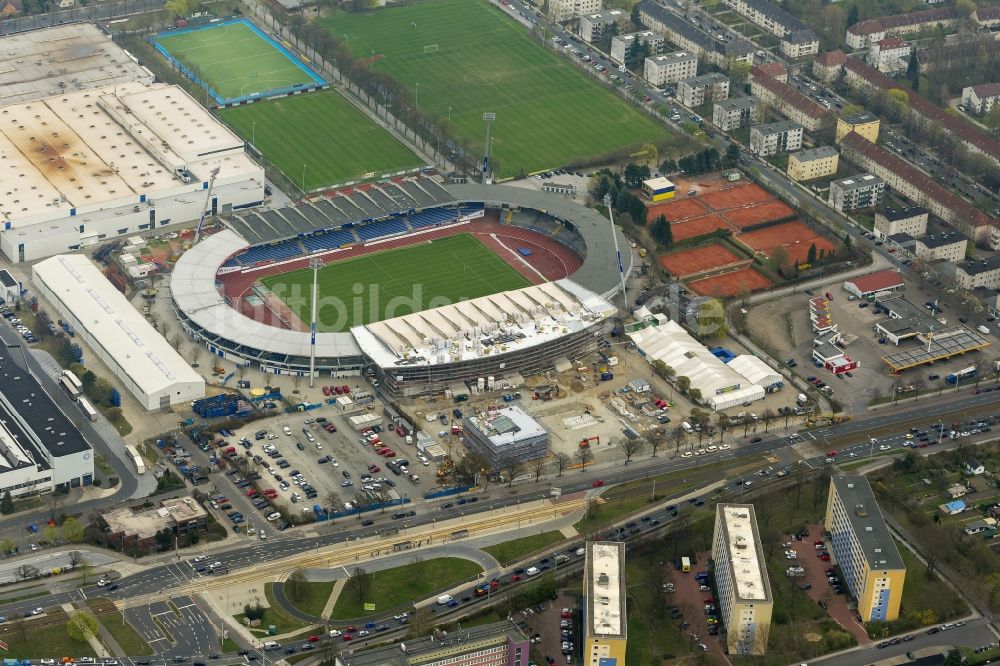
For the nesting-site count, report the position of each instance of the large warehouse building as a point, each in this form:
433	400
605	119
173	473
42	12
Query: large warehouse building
87	165
142	360
40	449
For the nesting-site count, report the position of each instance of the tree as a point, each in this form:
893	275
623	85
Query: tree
683	384
72	530
654	439
678	434
511	469
164	538
811	256
27	572
664	370
562	462
781	258
913	72
296	585
629	446
538	467
662	232
636	18
852	15
7	546
7	504
82	626
732	155
363	583
255	612
585	456
695	395
51	534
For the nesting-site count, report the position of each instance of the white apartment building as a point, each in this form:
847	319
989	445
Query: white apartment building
732	114
890	55
564	10
854	192
670	67
773	138
699	90
981	98
623	46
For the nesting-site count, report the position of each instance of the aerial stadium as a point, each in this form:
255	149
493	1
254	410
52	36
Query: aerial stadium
423	285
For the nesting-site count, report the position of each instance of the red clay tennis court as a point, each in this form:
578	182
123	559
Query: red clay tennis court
698	260
735	197
678	209
698	226
730	284
795	236
764	212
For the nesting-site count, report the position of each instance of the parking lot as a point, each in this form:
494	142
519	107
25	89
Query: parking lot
316	458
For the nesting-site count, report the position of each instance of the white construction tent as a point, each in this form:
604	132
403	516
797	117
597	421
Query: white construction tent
721	386
756	371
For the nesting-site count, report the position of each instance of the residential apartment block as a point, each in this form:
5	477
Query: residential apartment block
864	77
941	246
911	220
788	101
974	274
813	163
864	548
670	67
773	69
827	66
864	123
919	188
623	46
605	627
745	603
890	55
681	32
774	138
732	114
564	10
981	98
862	34
987	17
702	89
860	191
797	39
592	26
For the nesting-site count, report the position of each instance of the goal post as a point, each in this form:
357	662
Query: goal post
431	48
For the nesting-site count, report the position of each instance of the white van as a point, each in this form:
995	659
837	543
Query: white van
687	427
271	645
532	571
445	599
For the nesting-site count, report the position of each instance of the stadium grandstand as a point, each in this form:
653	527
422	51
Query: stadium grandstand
567	249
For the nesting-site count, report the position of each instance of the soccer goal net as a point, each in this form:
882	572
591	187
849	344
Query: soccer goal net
431	48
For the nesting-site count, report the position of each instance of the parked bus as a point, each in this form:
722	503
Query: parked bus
87	408
964	373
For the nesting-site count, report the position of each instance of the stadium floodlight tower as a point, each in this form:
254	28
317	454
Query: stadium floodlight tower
618	252
208	198
489	117
314	265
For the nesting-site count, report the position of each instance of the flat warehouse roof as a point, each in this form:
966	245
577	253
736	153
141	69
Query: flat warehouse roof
82	291
64	58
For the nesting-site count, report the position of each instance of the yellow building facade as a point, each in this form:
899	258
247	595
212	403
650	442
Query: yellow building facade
864	123
864	549
813	163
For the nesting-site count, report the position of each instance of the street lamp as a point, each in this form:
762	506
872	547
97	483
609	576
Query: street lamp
253	133
417	96
449	114
303	179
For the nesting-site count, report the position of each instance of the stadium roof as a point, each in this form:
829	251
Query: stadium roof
489	325
599	272
141	352
62	59
326	213
93	149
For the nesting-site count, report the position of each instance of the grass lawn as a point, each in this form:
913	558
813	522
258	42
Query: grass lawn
123	633
314	597
42	638
335	141
397	282
233	60
511	551
548	113
400	585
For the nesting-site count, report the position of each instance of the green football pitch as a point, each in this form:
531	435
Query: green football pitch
233	60
336	142
469	59
397	282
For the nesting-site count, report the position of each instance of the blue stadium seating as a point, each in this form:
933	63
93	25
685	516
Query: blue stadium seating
277	252
429	218
381	228
328	241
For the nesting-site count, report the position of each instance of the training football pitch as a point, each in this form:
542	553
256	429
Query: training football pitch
333	140
397	282
469	59
234	61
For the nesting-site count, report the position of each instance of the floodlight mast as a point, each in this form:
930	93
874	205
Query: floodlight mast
314	265
208	198
489	117
618	252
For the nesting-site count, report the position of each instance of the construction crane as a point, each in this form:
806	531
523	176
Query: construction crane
208	198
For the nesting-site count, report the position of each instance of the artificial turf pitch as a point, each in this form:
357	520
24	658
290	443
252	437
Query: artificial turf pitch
397	282
321	130
233	60
548	114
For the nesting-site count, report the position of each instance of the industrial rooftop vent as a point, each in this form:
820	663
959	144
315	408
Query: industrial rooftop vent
860	511
602	579
740	543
